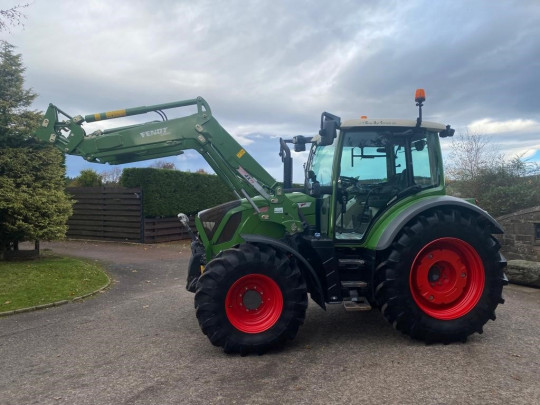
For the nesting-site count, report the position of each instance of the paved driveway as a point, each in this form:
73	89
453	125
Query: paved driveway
139	343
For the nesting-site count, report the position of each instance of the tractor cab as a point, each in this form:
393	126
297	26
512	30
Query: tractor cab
371	166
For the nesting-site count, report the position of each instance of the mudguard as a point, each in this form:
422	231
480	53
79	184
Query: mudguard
409	213
312	280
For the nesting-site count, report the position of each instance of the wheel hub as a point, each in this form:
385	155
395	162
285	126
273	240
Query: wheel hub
254	303
252	299
447	278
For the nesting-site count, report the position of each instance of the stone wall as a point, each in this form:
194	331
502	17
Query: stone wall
521	240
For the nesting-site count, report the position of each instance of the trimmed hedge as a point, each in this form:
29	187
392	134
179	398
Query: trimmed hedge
168	192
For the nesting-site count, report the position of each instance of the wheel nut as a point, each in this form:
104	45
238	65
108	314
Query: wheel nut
463	275
431	297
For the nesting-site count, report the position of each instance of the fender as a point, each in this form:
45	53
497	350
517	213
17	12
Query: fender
420	206
312	280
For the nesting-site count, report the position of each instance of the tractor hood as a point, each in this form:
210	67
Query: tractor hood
220	227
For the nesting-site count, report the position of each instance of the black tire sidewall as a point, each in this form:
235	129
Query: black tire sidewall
281	325
288	279
425	231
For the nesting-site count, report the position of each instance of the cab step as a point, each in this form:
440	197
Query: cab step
351	263
353	284
361	305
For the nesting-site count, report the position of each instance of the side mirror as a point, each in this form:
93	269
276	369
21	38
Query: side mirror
447	132
329	126
300	141
184	220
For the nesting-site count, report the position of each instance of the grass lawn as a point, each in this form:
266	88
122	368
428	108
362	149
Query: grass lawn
47	279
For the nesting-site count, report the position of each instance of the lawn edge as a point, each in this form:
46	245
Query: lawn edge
58	303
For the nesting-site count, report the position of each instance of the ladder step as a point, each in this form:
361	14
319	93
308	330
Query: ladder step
356	306
354	284
349	262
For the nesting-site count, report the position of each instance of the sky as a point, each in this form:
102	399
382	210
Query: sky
268	69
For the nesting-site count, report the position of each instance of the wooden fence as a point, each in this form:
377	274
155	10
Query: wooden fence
117	214
165	230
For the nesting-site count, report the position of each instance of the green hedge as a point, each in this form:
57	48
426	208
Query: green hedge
168	192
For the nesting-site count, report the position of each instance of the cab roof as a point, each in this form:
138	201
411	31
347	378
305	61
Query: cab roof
390	122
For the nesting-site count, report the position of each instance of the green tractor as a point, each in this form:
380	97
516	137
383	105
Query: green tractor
372	226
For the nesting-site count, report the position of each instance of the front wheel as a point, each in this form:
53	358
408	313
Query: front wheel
442	279
250	299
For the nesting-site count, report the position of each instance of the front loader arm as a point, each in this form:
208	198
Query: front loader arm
200	132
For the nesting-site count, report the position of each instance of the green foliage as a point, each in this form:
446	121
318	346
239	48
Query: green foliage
17	123
87	178
502	189
477	169
33	204
168	192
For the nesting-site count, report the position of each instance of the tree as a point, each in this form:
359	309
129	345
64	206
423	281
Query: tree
17	122
509	187
33	204
477	170
87	178
111	177
161	164
471	154
12	16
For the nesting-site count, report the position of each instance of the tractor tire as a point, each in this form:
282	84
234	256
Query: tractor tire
251	299
442	277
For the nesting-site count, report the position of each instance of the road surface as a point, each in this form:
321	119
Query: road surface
139	343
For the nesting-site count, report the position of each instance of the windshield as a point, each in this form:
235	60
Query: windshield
320	163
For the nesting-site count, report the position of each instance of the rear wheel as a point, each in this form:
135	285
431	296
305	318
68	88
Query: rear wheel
250	299
442	279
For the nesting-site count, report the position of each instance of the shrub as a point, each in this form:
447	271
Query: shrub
168	192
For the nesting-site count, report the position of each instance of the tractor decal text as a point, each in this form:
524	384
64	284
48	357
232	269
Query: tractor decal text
155	132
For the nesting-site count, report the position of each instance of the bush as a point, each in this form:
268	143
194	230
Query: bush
502	189
168	192
87	178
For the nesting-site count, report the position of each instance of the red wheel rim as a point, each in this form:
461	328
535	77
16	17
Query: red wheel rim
447	278
254	303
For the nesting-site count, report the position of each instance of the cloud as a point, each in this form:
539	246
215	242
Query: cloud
268	69
489	126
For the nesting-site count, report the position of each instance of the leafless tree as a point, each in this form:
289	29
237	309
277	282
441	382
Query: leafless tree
12	17
161	164
111	177
470	154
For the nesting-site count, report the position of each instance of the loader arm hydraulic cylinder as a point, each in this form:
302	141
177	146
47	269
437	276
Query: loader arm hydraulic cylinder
156	139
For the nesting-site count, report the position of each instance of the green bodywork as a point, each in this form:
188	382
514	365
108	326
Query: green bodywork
275	220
